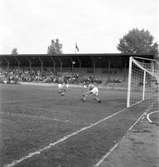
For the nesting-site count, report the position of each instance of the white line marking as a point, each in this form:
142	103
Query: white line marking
22	115
148	116
15	162
141	116
106	155
136	103
12	101
116	145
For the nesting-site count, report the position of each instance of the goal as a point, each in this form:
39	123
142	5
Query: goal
143	80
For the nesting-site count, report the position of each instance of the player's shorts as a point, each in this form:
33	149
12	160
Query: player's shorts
94	91
60	86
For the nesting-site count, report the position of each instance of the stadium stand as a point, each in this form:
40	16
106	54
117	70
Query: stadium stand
106	69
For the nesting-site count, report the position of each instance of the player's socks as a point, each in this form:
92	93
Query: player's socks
99	101
83	99
62	94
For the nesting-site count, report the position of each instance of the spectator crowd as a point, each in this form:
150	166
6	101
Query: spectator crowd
15	75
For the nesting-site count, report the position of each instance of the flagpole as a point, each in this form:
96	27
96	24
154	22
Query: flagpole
75	47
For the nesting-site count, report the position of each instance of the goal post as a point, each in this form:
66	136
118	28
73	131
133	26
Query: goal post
143	80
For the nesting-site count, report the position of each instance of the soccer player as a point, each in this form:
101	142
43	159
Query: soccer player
92	91
62	85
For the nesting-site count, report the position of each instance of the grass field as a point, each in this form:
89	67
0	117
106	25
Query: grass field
40	128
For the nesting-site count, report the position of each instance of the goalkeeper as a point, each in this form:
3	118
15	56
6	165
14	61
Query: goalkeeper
92	91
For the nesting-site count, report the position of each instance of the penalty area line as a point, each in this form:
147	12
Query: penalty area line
15	162
148	116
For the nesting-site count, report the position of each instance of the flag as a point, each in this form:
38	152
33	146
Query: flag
77	48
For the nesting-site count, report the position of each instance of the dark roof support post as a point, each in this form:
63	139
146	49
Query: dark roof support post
94	67
29	63
8	64
54	64
41	64
109	70
72	64
61	64
80	63
18	62
125	70
109	65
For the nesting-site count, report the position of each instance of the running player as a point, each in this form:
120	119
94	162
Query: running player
92	91
62	85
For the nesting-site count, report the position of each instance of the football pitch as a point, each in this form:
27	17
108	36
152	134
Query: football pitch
40	128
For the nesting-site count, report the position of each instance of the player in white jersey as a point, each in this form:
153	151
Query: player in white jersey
62	85
92	91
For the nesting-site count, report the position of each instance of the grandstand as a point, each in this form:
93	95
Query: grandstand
109	69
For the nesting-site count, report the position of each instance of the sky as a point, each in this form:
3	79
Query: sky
96	25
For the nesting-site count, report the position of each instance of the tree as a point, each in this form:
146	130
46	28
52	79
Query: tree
138	42
14	51
55	48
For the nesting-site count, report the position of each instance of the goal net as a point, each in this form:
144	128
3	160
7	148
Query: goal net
143	80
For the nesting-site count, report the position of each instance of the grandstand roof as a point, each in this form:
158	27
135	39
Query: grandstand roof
65	60
84	54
